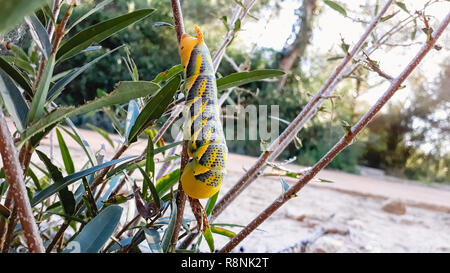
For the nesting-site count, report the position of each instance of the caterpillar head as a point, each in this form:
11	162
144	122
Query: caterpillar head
187	44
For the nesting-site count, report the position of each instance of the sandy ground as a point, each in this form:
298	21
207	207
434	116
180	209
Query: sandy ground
350	209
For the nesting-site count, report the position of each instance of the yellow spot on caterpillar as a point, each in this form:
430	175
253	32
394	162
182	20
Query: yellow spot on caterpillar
194	187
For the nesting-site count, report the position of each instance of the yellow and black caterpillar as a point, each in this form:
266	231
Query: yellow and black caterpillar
203	175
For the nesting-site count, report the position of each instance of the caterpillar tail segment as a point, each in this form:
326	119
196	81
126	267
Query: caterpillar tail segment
203	175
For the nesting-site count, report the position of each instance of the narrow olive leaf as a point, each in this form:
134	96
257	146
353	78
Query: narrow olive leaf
111	185
387	17
39	34
97	232
18	52
65	153
163	24
66	196
165	241
166	182
154	108
14	101
152	188
56	89
99	32
237	25
241	78
87	14
402	6
168	74
124	92
13	12
16	76
38	102
83	143
150	157
34	178
335	58
153	240
336	7
52	189
132	114
211	203
101	132
209	238
24	65
223	231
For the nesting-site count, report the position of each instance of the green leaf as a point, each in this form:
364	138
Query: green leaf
13	12
33	177
124	92
153	240
99	32
97	232
38	103
168	74
154	108
66	196
223	231
39	34
165	241
87	14
387	17
336	7
209	238
14	101
56	90
148	182
149	159
132	114
211	203
18	52
335	58
241	78
24	65
166	182
83	143
65	153
237	25
102	132
402	6
52	189
16	76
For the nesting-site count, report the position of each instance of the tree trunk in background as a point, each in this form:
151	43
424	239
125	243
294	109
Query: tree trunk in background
302	38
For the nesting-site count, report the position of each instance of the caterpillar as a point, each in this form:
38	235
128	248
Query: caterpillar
207	149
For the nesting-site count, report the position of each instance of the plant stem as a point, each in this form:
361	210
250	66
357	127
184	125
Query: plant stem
342	143
181	196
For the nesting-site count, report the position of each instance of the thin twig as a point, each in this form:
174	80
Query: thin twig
343	142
